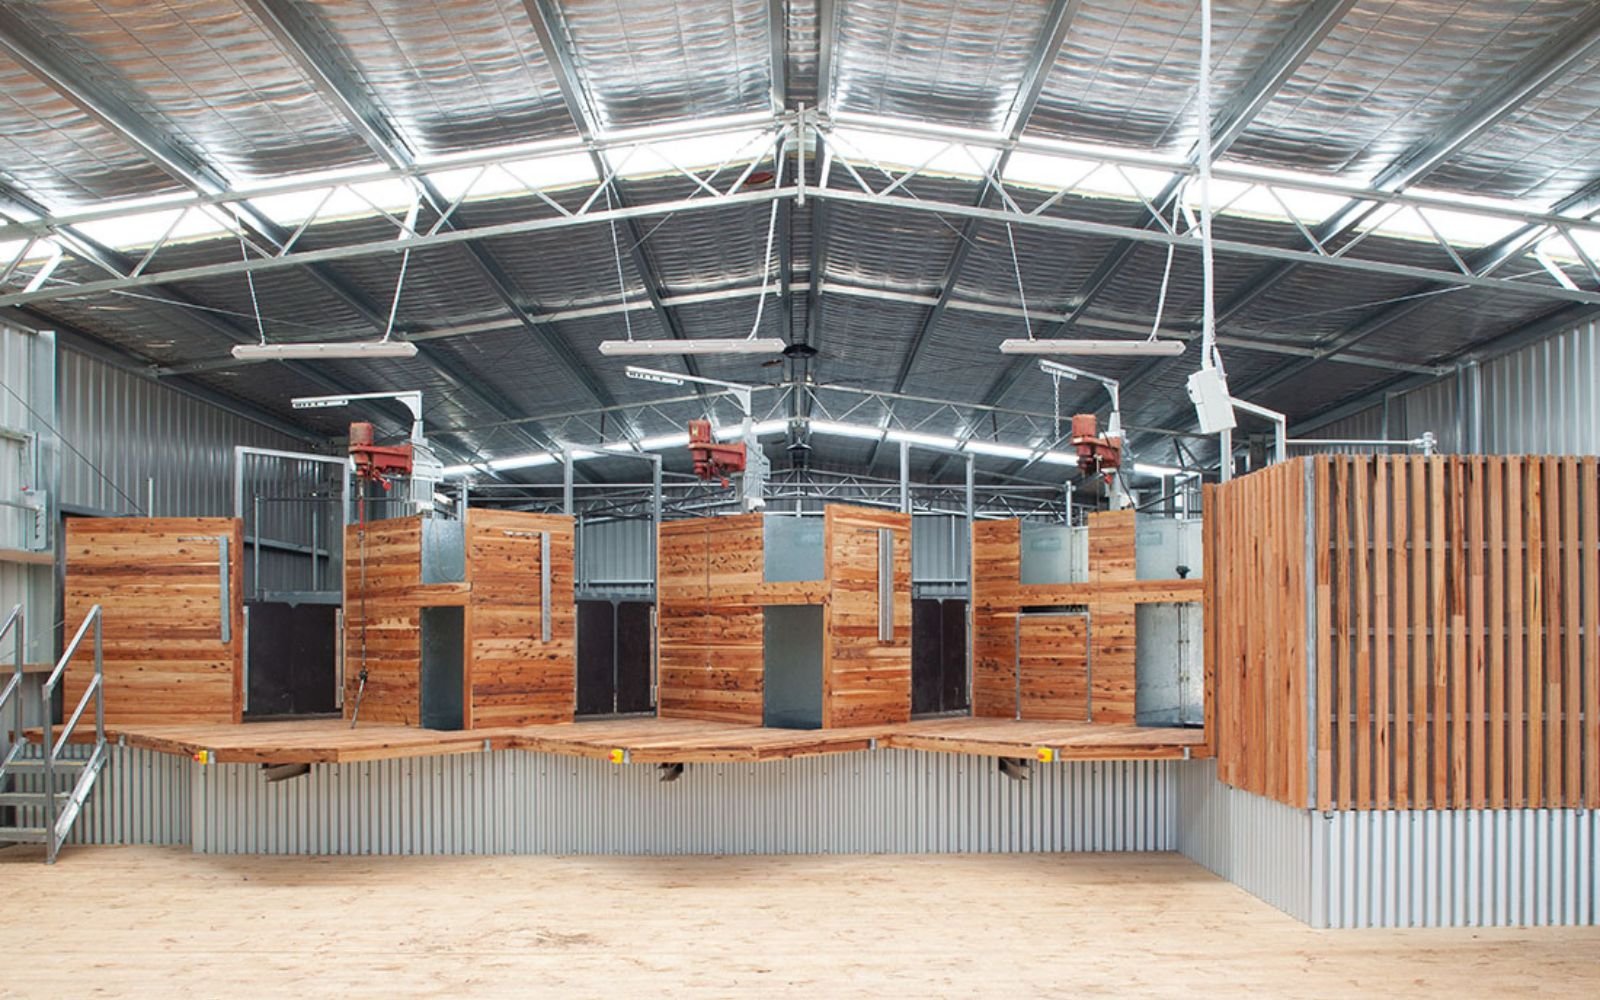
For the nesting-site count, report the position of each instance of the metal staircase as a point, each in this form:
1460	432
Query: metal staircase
43	804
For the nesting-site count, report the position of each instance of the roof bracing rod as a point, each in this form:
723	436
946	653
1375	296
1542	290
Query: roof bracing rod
295	34
41	57
550	28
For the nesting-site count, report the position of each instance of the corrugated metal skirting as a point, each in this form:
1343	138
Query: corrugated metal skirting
1258	844
518	802
1466	868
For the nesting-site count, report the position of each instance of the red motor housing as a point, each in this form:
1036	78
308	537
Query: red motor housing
374	462
1097	454
713	460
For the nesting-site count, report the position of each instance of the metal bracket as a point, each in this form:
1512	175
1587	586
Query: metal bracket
544	586
885	585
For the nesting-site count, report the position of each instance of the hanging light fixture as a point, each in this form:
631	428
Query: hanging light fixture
347	349
1143	348
706	345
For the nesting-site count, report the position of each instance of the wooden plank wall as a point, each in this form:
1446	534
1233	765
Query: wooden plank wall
158	583
867	680
1464	666
510	676
382	620
1111	596
513	676
709	645
1456	640
1255	608
710	594
996	576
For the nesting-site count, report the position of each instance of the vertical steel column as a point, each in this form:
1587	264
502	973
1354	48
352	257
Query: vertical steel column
972	581
905	477
566	481
1311	632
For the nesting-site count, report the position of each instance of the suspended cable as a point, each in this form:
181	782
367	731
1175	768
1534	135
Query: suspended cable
1016	269
250	279
616	252
1209	357
766	271
70	447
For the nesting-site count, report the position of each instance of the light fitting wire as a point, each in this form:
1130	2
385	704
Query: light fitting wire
622	285
250	279
1016	269
766	271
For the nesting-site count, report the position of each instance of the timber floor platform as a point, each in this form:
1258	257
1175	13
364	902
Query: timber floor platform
649	740
1047	740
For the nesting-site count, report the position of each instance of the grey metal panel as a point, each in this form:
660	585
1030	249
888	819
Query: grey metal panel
1260	845
1054	553
615	553
1541	399
142	797
128	431
1169	664
443	635
1464	868
1165	543
1538	400
515	802
791	695
444	551
28	477
792	548
940	548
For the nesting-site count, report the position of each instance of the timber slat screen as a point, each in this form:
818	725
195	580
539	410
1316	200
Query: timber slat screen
1455	632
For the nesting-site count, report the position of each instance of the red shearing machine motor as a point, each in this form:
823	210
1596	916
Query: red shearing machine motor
711	459
1098	454
377	463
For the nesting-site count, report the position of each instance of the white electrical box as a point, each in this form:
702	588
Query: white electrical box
1213	407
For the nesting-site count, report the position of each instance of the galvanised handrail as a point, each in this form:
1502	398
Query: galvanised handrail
13	688
95	687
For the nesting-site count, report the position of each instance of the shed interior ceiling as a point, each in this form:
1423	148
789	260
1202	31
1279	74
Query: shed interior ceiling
1492	111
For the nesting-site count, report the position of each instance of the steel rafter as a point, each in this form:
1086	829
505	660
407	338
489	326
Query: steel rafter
326	67
41	57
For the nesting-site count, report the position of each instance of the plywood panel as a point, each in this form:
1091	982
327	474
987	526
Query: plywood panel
514	675
867	679
710	634
158	582
1053	667
1257	527
996	561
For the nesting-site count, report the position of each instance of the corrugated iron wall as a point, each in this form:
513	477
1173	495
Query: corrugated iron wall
516	802
616	555
129	431
940	548
1538	400
1260	845
1463	868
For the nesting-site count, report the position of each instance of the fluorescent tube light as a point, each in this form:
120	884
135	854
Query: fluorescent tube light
998	450
862	431
651	375
1146	348
707	345
349	349
662	441
917	437
1146	469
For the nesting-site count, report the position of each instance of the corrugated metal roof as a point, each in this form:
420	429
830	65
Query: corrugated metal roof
465	76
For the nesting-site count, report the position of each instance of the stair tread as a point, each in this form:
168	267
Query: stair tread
28	798
36	763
